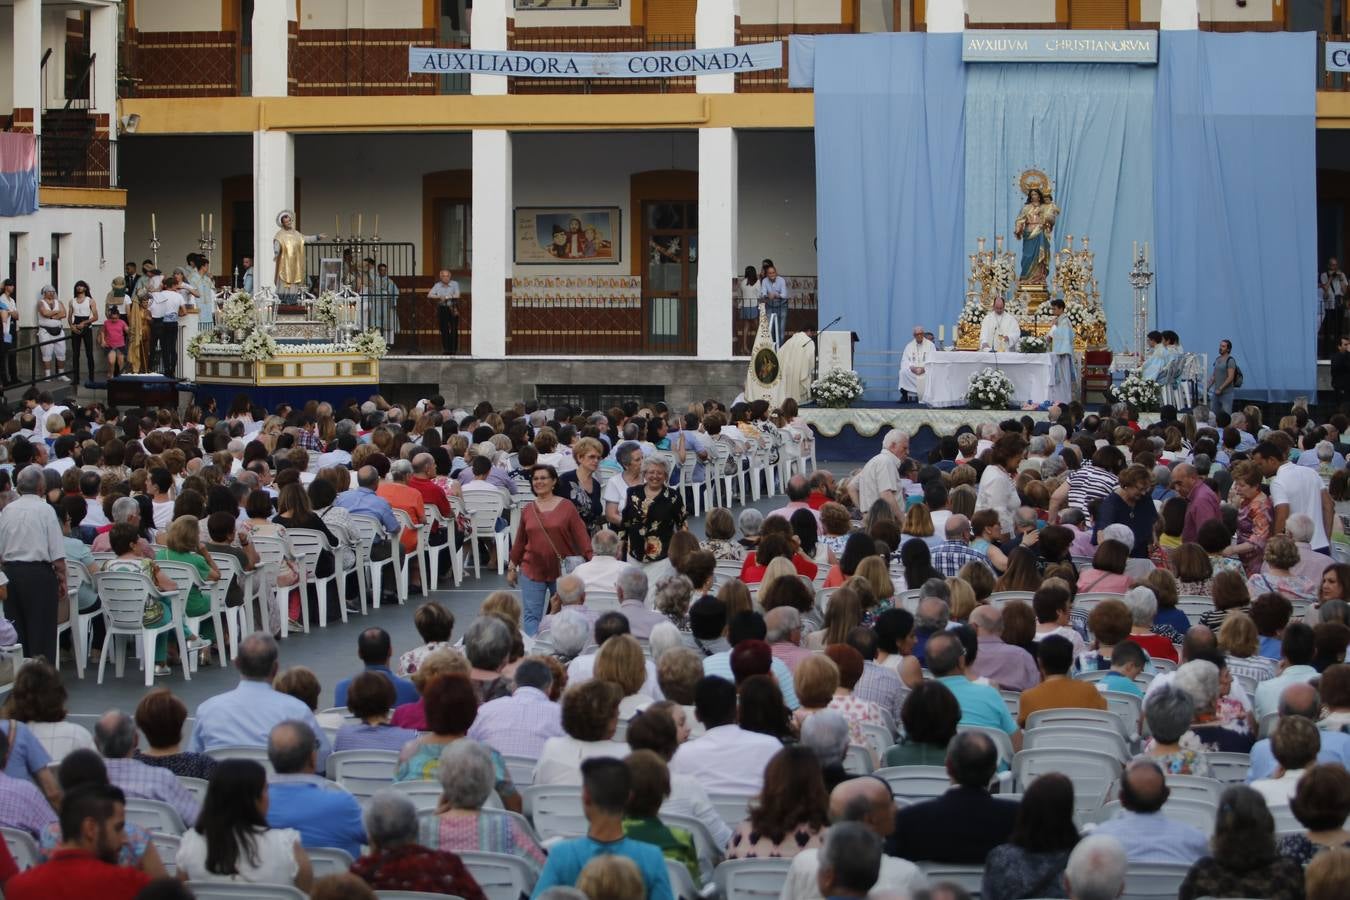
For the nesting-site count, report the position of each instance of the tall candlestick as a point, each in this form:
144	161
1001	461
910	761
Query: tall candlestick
1135	253
203	225
376	233
942	332
353	224
154	232
358	223
210	223
1146	252
337	225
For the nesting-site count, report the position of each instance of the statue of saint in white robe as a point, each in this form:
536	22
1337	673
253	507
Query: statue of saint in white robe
1000	332
916	356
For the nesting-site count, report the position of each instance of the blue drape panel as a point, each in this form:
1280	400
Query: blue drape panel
1235	150
889	182
1089	127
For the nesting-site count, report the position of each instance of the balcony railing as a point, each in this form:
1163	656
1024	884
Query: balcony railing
803	311
587	39
776	80
77	161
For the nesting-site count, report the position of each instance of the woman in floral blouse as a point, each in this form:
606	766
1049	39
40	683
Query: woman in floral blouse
435	624
652	513
720	530
1254	517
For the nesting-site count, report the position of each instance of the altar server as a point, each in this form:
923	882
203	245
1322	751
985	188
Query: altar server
1063	377
1155	357
999	331
914	363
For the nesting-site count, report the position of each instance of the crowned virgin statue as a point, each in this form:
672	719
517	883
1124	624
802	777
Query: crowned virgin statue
1035	225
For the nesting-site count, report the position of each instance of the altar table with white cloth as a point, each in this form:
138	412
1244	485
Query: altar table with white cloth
949	375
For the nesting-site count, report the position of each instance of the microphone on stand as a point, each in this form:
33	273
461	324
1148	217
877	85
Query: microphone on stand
832	322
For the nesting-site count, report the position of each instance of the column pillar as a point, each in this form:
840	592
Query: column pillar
27	64
718	224
715	26
54	39
1179	15
493	202
271	49
273	191
103	41
487	31
945	16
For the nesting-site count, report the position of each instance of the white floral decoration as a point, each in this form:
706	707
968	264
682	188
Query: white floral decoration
838	388
990	389
972	313
258	346
1140	392
238	312
1032	344
325	309
369	343
1083	316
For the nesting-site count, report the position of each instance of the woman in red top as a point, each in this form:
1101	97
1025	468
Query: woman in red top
1143	606
771	547
113	338
550	530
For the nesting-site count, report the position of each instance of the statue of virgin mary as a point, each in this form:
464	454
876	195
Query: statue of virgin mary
1035	225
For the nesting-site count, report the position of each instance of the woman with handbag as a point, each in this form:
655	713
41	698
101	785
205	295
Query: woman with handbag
550	538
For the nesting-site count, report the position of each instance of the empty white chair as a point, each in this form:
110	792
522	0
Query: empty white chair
328	860
555	810
915	783
425	795
123	596
21	846
1153	882
223	890
1058	736
1091	772
154	815
751	879
363	772
500	875
731	807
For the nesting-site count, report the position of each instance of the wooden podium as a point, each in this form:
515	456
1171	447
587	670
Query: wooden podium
834	350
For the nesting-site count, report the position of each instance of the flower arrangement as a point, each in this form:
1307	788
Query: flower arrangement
238	312
198	342
1071	274
990	389
972	313
1032	344
258	346
838	388
1083	316
1000	276
325	309
369	343
1140	392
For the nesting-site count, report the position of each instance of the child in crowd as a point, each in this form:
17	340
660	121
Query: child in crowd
1127	661
113	337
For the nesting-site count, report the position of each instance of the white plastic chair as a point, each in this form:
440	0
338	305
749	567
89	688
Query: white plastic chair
21	846
682	885
915	783
368	528
709	854
307	546
78	623
1153	882
751	879
420	554
238	619
194	786
123	596
968	877
1077	718
1195	787
154	815
240	751
1092	772
520	768
1060	736
500	875
998	598
224	890
166	845
555	810
484	508
1126	707
1002	741
272	553
1230	768
329	860
731	807
451	546
1195	813
602	601
858	760
425	795
187	577
363	772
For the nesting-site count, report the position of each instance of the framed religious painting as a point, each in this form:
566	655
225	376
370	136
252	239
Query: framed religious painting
552	235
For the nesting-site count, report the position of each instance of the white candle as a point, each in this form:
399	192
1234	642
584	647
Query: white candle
377	225
203	225
358	223
1145	252
210	223
153	230
1135	253
942	332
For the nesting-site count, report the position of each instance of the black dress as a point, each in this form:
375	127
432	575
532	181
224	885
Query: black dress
589	506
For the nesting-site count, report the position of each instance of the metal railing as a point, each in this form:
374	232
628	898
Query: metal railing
593	39
77	161
10	354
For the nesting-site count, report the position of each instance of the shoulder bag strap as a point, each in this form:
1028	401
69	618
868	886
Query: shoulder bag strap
548	537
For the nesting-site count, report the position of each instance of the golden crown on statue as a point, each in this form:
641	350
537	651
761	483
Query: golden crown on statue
1035	180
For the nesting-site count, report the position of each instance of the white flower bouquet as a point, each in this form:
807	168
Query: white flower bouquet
1032	344
838	388
258	346
1000	276
1140	392
198	341
990	389
1083	316
369	343
238	312
325	309
972	313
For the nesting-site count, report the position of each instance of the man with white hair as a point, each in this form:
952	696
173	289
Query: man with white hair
914	364
601	571
783	627
568	594
397	861
1118	531
1311	564
631	588
955	551
34	556
825	733
1058	435
125	510
1096	869
570	632
880	478
867	801
1323	452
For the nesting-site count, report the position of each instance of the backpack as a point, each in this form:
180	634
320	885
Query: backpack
1237	375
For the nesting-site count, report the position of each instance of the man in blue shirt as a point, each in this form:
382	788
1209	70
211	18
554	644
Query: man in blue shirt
323	813
605	784
980	704
1300	699
375	650
245	716
363	501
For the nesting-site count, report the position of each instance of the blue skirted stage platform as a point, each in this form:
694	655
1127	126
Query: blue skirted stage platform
854	434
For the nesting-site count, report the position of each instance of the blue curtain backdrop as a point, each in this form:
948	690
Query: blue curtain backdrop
889	183
1235	196
1090	128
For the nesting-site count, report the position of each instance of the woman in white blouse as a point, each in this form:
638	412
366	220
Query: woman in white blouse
231	841
590	714
997	491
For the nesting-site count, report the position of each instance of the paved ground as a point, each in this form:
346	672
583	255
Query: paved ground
330	652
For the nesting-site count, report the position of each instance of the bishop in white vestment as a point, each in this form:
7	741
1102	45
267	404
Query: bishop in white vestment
914	363
999	331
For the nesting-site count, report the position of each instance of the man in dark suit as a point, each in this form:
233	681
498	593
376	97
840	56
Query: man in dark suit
965	823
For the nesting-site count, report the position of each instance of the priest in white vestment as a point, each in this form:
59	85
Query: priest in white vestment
1000	330
914	363
797	358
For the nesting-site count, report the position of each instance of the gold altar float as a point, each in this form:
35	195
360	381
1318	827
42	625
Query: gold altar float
993	274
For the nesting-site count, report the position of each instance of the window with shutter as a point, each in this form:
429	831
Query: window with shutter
670	17
1098	13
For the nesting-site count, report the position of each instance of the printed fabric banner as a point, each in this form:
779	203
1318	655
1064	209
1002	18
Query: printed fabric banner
18	174
654	64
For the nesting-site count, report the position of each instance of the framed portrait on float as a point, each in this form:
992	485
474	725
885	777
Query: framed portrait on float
578	235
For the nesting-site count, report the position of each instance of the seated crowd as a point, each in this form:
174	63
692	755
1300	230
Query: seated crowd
1173	580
